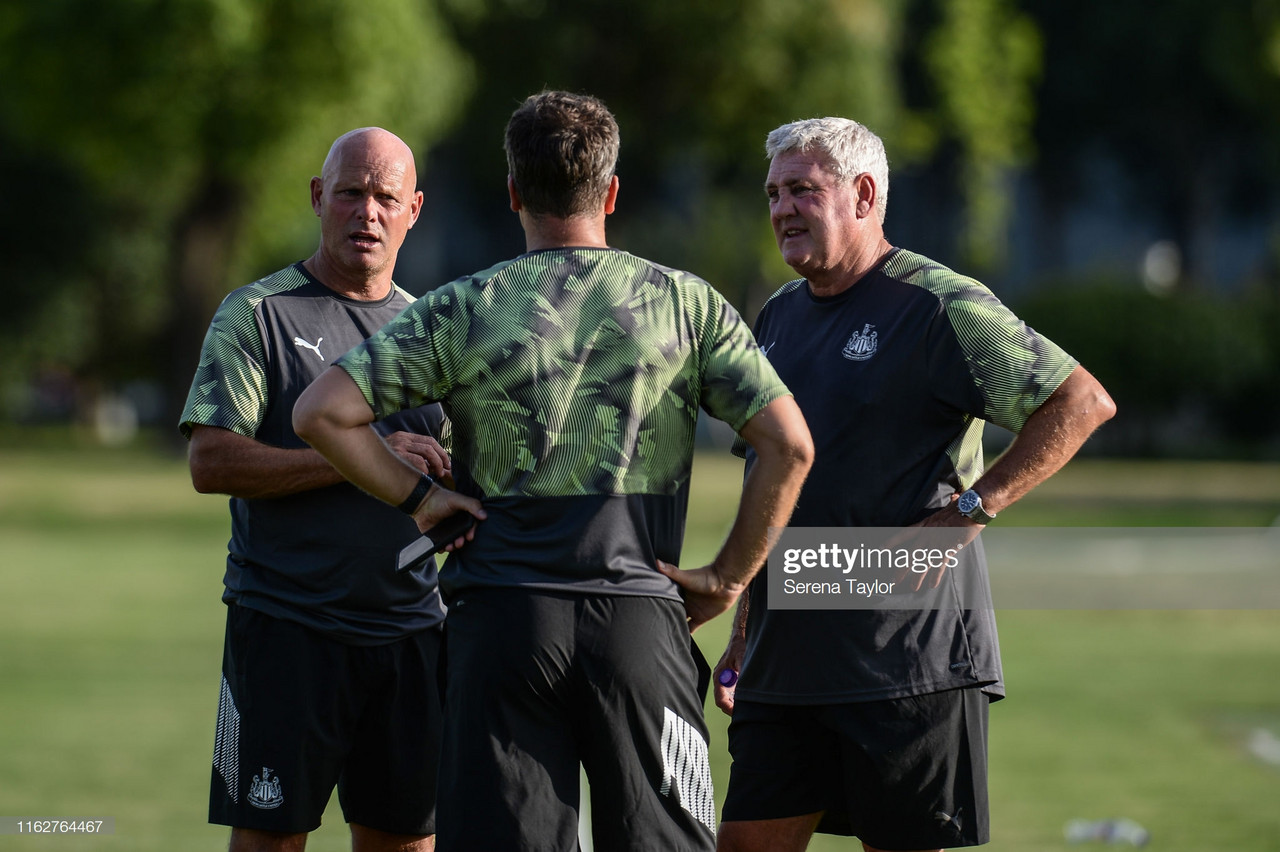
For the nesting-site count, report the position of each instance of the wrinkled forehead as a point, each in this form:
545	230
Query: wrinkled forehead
790	167
367	157
361	168
370	174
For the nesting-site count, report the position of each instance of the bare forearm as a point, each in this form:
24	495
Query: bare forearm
740	617
224	462
768	495
333	417
1050	438
784	454
362	457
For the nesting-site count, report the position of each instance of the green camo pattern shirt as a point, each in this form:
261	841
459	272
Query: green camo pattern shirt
572	375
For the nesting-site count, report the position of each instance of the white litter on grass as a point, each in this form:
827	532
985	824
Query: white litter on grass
1265	746
1106	831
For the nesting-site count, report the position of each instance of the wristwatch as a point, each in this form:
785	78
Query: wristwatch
970	505
414	500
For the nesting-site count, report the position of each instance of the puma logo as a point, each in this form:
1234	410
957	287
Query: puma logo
314	347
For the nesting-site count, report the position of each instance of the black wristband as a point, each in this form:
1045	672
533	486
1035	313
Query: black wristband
415	496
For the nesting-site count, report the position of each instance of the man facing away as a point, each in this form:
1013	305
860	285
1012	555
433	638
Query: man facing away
330	662
572	375
895	361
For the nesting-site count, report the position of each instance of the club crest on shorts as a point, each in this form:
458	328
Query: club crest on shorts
862	344
264	791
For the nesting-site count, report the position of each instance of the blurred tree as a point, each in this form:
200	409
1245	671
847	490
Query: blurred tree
163	147
1185	369
697	86
984	58
194	127
42	262
1177	103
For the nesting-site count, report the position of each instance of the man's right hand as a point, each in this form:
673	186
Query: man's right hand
442	502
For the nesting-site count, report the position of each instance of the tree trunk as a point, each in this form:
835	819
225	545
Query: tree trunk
203	246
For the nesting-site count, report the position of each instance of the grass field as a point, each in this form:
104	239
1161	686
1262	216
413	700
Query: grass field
110	640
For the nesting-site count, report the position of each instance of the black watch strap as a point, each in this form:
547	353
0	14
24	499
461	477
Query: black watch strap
415	496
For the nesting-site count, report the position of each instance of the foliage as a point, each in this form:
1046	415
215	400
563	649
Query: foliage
194	127
149	98
164	146
1182	95
1187	360
697	87
984	58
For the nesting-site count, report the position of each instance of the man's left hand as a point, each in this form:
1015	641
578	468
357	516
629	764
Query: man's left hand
966	530
421	451
705	594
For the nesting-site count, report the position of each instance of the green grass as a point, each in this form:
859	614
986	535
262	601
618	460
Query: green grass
111	628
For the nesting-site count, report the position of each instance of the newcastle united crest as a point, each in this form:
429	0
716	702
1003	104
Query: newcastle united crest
862	345
264	791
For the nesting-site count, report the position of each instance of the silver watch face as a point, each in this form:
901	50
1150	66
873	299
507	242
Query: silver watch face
969	501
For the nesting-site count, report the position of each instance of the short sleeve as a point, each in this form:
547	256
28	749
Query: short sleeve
412	359
1014	368
738	379
230	385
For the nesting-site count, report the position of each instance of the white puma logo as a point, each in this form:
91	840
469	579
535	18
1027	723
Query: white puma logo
298	341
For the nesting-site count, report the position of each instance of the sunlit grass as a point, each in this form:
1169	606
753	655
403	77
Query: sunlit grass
111	633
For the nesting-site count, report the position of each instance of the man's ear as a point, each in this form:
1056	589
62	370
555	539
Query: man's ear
866	189
415	207
317	191
514	195
611	198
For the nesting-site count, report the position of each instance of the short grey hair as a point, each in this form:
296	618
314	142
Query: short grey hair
853	149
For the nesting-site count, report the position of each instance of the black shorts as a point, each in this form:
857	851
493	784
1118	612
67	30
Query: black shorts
907	773
539	683
301	712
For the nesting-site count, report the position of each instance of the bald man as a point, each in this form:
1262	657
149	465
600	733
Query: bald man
330	658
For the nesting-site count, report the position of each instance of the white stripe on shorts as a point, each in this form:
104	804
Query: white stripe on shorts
226	744
688	773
